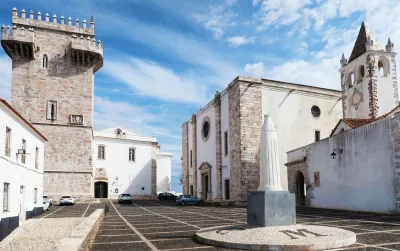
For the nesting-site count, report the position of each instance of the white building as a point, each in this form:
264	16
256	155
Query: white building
358	166
21	169
125	162
220	143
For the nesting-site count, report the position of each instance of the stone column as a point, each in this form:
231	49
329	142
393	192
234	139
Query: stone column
209	188
154	148
372	86
185	158
194	154
218	143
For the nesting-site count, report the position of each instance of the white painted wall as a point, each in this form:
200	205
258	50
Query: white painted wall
225	127
190	131
363	177
132	176
206	150
163	171
15	173
294	123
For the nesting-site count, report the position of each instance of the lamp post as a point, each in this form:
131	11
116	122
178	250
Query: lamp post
336	152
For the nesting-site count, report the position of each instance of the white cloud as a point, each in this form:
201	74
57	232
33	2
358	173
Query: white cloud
255	70
255	2
5	77
237	41
218	19
151	79
320	54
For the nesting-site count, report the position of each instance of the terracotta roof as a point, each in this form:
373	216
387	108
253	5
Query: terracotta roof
359	46
355	122
22	118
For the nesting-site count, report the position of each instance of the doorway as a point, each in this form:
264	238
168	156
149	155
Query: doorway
300	195
101	189
227	193
205	186
22	213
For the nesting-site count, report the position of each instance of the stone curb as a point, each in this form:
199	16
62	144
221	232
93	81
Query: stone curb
247	246
83	235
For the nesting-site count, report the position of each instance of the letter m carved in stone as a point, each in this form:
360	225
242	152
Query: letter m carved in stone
300	232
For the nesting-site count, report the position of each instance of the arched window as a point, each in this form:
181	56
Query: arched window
361	73
132	156
350	79
383	67
45	62
101	152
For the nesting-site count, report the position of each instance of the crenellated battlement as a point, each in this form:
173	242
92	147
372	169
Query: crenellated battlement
52	23
18	41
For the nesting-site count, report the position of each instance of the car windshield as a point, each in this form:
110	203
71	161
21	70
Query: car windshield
125	195
45	197
66	197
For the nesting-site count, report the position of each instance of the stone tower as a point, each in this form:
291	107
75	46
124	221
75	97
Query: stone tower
369	78
53	66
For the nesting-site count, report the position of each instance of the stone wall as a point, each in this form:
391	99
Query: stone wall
218	143
245	122
185	158
194	153
154	149
71	85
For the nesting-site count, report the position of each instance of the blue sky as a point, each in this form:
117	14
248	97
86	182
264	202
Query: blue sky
165	59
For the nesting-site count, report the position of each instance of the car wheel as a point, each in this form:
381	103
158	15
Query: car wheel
183	203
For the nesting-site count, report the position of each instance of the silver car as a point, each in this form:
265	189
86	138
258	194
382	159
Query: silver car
67	199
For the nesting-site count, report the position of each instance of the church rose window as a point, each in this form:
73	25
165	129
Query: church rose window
315	111
205	130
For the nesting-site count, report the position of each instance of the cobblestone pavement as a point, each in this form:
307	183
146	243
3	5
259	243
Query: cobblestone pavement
156	225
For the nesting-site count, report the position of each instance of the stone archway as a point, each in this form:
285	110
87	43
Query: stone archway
300	189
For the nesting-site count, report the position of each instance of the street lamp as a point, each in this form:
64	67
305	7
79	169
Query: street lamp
336	152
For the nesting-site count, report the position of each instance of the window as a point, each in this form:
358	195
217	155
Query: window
132	154
52	110
45	61
37	158
8	142
383	66
101	150
315	111
361	73
6	195
23	155
205	129
35	193
226	143
380	68
317	135
350	79
191	154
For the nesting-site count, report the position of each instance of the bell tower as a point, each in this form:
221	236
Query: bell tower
369	78
53	66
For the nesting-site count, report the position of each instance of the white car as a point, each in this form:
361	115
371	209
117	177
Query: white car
48	198
46	205
67	199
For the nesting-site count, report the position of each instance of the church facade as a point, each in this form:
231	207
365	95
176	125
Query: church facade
220	143
358	166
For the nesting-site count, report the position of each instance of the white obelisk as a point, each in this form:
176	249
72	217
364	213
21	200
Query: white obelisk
270	179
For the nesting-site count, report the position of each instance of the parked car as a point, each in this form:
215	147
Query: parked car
46	197
67	199
189	199
124	198
46	205
167	196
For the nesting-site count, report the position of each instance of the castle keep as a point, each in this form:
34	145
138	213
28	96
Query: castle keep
53	66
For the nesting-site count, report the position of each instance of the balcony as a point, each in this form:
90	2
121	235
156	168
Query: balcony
18	42
86	51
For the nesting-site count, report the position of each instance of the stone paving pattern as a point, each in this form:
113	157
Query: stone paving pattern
167	226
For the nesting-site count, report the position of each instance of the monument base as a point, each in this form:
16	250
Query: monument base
294	237
271	208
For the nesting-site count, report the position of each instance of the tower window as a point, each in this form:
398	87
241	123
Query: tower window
101	152
45	61
52	110
226	150
132	156
361	73
191	156
383	67
350	79
317	135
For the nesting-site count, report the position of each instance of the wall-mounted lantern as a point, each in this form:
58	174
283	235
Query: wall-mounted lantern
336	152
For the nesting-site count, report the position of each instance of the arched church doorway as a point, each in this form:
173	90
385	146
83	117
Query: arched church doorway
100	189
300	193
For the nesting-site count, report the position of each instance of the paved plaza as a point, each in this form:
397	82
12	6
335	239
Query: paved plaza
156	225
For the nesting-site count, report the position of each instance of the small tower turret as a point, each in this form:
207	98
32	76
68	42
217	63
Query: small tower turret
390	46
343	60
